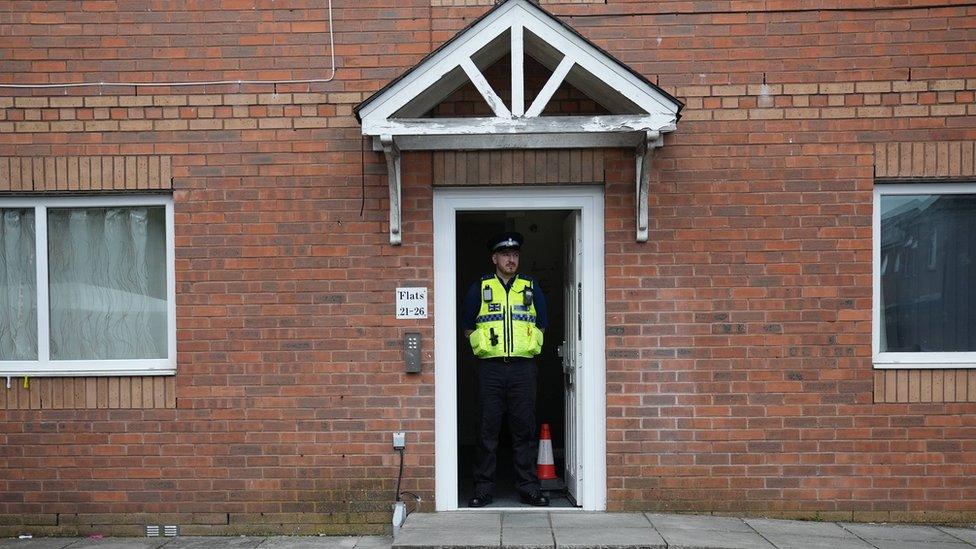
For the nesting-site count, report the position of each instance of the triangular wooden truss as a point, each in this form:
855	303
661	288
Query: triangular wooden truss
640	112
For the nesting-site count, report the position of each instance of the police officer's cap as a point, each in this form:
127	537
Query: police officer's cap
505	241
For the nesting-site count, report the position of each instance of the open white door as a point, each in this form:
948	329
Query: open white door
572	349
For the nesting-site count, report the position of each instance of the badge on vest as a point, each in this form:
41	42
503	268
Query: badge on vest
494	307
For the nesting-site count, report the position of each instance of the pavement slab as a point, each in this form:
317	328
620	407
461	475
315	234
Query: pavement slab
898	532
374	542
307	542
528	538
768	527
902	544
609	538
207	542
789	541
429	538
598	521
454	521
525	520
698	522
683	538
37	543
119	543
965	534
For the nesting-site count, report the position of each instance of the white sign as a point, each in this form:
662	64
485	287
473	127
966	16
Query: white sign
411	302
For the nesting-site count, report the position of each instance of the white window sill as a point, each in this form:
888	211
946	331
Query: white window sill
924	361
85	368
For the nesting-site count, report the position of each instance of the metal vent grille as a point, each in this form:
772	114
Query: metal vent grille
170	530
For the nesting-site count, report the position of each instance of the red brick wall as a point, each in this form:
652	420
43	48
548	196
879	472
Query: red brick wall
738	338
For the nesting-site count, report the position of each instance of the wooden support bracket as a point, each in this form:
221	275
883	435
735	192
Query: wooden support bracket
392	153
645	152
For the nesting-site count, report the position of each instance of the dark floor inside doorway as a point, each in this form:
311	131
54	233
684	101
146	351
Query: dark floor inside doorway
505	494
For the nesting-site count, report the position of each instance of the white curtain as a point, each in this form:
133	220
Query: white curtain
107	269
18	286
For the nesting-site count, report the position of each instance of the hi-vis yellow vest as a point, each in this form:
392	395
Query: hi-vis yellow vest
505	325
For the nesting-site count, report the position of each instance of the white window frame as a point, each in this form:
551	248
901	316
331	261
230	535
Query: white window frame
44	365
909	360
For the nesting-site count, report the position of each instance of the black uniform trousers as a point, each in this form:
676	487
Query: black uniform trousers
506	387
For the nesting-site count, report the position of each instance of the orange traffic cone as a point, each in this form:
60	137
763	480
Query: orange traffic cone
545	467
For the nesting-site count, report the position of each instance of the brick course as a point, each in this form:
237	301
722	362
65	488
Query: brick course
739	376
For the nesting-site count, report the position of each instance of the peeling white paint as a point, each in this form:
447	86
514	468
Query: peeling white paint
392	153
659	122
645	152
484	88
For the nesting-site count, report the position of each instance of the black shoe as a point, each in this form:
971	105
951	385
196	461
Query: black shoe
536	499
480	501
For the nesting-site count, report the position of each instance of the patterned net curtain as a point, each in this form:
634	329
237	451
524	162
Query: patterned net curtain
107	283
18	286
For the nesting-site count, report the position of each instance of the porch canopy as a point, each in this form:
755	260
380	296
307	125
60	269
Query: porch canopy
398	116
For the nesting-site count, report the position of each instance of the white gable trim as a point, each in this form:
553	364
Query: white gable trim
600	65
432	69
582	64
549	89
518	70
481	83
515	15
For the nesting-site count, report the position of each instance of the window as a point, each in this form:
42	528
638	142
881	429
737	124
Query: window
925	276
87	286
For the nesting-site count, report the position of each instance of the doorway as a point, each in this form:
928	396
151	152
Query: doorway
563	251
543	261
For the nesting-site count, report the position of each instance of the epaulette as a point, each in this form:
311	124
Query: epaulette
487	277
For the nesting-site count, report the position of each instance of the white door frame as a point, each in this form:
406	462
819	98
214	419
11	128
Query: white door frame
592	379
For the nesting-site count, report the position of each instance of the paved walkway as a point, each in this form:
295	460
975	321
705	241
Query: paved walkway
650	530
525	530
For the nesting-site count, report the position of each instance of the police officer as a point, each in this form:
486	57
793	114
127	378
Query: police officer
504	316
